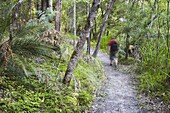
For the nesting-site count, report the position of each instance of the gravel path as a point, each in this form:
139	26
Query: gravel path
118	94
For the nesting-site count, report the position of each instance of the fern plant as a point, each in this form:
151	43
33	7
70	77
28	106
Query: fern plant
26	45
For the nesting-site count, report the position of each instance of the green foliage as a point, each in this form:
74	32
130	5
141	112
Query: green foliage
154	68
67	15
90	79
30	95
46	16
26	45
5	18
155	85
146	23
44	91
85	98
129	61
104	42
41	90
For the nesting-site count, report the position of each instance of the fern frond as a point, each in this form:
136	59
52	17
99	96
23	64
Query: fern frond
29	30
5	16
16	66
30	45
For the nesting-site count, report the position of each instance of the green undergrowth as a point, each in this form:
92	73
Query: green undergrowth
153	70
155	85
41	88
129	61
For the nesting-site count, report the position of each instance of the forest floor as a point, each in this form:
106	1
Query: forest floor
118	94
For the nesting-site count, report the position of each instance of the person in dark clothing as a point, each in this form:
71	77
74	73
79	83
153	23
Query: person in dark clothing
113	49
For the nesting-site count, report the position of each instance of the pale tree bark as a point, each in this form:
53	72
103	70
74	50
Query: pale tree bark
74	18
51	5
89	38
74	21
88	45
84	35
58	15
103	27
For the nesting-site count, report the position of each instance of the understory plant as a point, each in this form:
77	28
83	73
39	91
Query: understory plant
32	80
154	68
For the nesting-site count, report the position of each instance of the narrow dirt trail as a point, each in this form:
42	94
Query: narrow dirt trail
120	95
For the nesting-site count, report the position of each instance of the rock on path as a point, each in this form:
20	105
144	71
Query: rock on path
120	94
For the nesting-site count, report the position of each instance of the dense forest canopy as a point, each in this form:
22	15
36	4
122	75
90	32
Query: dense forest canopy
49	42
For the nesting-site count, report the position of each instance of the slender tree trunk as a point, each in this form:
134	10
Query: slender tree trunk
47	4
37	5
84	35
94	30
103	27
127	46
42	5
74	18
89	38
88	45
58	15
74	21
51	5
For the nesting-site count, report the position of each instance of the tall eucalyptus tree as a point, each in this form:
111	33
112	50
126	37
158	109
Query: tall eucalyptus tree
84	35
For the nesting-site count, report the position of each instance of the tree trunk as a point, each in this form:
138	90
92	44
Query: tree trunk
5	53
47	4
74	18
42	5
37	5
88	7
127	46
51	5
58	15
88	45
85	34
88	39
103	27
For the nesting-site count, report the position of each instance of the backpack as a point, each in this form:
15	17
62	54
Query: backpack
114	46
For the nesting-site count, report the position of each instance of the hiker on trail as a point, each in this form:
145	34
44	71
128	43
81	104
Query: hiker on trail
113	49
